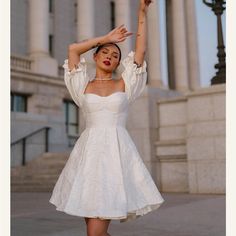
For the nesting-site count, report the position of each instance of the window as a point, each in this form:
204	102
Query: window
71	117
18	102
112	10
51	6
75	12
51	45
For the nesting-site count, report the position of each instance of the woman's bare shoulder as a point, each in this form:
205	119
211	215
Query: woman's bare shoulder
120	82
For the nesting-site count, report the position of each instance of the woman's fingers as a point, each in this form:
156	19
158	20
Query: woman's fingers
147	2
128	34
122	33
125	36
121	26
124	30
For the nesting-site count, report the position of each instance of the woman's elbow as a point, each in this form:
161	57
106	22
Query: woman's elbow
72	47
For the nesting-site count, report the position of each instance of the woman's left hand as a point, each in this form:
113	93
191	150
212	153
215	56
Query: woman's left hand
144	4
119	34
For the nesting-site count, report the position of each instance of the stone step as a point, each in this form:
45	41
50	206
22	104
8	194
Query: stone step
34	179
29	175
33	182
32	188
39	174
49	163
47	160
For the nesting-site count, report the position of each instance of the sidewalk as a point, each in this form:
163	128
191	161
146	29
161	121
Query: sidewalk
179	215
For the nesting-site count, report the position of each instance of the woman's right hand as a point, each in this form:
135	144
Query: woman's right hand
119	34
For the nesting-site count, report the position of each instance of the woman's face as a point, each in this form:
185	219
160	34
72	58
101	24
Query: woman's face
107	58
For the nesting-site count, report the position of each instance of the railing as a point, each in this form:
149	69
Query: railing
60	71
72	139
23	140
20	62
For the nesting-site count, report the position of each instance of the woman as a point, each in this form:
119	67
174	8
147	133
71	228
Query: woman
105	177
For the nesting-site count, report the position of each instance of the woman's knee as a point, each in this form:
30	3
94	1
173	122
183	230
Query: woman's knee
91	231
97	227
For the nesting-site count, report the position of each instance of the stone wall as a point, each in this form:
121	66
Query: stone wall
142	125
206	140
191	143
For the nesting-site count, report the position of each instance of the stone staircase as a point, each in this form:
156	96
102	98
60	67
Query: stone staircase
38	175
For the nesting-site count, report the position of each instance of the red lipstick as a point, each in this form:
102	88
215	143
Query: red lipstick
107	63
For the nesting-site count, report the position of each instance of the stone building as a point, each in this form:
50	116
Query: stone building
180	127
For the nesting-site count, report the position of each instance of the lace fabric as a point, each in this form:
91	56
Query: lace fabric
105	176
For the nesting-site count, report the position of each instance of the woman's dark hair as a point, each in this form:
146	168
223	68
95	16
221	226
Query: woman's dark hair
103	45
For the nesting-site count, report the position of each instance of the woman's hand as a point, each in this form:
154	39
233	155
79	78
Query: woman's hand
119	34
144	4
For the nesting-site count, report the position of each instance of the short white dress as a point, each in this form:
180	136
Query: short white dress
105	177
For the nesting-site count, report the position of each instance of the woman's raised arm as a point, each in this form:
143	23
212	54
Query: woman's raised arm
119	34
140	45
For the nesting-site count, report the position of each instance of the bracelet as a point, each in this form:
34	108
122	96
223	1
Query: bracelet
138	65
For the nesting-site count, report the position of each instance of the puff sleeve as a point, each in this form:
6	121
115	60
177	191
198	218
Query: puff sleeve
76	80
134	77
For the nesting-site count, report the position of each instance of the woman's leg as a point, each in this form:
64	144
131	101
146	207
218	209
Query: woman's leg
86	220
97	227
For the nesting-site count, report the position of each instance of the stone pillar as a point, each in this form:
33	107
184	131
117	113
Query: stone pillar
85	27
194	74
39	38
85	19
153	47
179	42
122	16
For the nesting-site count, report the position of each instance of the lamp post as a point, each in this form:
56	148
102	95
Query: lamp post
217	7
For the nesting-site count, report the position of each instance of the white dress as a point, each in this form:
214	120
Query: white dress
105	176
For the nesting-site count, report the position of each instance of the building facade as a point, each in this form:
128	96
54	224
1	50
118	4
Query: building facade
45	118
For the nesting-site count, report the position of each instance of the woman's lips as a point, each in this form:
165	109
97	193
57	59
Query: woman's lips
107	63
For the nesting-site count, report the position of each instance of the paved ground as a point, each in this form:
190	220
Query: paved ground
179	215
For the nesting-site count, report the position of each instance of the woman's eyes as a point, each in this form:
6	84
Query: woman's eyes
107	52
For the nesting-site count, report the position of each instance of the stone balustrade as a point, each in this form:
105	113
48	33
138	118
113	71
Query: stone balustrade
21	62
25	64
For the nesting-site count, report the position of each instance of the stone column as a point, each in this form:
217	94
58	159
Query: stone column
179	42
153	47
194	74
123	16
39	38
85	19
85	27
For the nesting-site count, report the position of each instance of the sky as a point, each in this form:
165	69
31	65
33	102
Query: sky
207	41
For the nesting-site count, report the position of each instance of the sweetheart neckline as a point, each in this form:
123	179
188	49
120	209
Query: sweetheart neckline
104	96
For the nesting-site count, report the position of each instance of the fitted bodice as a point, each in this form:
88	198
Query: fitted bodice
108	111
111	110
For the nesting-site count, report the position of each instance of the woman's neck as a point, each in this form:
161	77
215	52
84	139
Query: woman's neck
103	75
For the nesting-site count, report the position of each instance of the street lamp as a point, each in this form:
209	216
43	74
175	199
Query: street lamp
217	6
